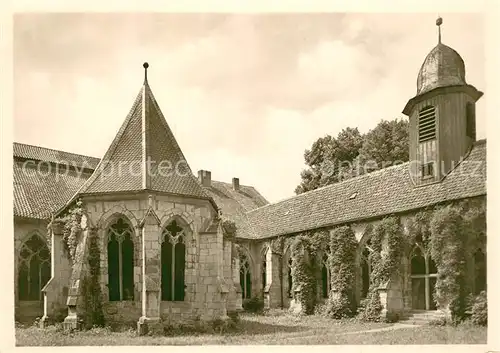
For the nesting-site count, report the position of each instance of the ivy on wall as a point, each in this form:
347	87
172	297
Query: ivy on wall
91	288
448	249
341	301
388	244
71	228
304	252
229	228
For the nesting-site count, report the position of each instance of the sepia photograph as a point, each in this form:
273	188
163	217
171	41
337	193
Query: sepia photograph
249	179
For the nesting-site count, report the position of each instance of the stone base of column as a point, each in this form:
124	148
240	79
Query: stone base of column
147	325
71	322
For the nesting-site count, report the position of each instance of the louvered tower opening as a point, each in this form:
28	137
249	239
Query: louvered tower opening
427	124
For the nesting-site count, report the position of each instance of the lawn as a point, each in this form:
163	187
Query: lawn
273	328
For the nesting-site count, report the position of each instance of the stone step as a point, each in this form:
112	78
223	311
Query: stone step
421	317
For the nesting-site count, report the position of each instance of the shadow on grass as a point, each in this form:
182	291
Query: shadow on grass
250	327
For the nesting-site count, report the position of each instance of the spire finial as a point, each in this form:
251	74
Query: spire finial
439	22
145	66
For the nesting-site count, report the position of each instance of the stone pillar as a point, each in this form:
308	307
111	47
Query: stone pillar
221	282
79	268
52	291
391	299
236	278
151	274
273	279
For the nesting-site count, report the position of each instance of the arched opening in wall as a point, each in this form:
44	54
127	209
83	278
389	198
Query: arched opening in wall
173	263
365	272
290	279
264	271
34	269
245	277
325	276
120	261
423	279
479	271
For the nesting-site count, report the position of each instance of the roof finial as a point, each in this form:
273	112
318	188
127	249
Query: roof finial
145	66
439	22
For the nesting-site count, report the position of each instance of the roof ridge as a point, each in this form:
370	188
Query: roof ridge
357	177
53	149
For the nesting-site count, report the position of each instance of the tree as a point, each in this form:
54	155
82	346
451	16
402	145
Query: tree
385	145
350	154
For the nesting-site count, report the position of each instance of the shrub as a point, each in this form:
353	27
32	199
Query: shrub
253	305
373	307
341	303
448	249
479	309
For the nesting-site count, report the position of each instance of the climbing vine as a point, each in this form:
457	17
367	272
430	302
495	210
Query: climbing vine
72	228
388	244
91	288
341	301
229	228
448	247
304	252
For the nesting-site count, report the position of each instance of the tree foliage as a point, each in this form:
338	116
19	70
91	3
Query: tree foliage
333	159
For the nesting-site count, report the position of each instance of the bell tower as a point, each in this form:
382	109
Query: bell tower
442	115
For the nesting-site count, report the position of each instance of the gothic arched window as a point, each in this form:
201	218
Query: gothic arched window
245	277
34	268
264	271
479	271
325	276
365	271
120	261
173	264
290	279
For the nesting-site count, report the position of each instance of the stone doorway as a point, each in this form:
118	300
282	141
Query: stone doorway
423	280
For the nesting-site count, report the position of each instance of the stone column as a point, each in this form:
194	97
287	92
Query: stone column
273	286
151	274
222	285
52	291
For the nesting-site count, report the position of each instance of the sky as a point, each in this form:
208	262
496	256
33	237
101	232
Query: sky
244	94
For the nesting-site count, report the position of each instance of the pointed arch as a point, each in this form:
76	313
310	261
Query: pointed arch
119	240
115	212
325	275
180	216
245	276
479	271
174	236
34	267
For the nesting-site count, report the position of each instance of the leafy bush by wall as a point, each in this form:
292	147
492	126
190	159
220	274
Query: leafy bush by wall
341	301
479	309
253	305
91	289
448	249
388	244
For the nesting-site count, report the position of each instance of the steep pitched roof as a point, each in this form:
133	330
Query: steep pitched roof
144	156
379	193
234	204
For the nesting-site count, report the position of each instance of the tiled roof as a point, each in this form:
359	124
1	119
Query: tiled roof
38	193
144	136
234	204
379	193
31	152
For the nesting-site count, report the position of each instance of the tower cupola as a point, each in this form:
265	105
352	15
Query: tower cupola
442	114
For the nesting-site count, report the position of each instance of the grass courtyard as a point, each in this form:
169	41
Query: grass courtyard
270	329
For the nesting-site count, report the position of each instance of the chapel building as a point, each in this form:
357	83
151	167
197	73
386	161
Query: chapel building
165	252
